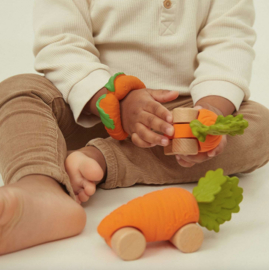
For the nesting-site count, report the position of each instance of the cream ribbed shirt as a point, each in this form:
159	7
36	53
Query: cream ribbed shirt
197	47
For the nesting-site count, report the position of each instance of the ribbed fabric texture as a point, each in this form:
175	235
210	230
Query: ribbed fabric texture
198	48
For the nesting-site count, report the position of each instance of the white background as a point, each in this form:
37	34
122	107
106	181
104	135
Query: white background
240	244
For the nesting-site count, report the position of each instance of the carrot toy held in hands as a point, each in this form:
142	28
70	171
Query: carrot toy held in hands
198	131
171	214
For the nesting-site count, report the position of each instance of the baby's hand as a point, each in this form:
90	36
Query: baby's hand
191	160
141	111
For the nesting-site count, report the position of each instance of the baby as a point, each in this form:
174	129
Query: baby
54	147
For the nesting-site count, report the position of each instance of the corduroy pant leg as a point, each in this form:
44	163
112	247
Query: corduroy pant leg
37	128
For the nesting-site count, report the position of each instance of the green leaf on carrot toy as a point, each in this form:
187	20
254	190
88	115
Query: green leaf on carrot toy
209	186
110	84
225	202
107	121
224	125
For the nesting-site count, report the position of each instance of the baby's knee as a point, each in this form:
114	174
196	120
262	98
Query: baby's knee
19	81
257	116
27	85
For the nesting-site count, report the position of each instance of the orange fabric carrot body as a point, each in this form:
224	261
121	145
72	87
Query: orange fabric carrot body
182	131
126	83
208	118
158	215
109	106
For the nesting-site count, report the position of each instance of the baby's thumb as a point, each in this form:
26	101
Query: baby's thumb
163	96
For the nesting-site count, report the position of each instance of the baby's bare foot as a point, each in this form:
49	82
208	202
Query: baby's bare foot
29	207
86	168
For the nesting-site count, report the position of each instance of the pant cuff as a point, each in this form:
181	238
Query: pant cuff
111	162
60	176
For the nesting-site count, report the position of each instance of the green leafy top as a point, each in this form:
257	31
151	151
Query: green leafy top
110	84
218	196
209	186
106	120
224	125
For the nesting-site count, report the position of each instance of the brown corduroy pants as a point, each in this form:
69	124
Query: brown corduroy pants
37	128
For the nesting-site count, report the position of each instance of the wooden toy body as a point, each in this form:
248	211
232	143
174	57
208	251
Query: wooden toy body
184	142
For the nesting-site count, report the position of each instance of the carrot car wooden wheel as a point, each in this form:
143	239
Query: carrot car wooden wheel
189	238
128	243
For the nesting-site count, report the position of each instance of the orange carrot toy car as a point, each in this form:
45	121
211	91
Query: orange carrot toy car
171	214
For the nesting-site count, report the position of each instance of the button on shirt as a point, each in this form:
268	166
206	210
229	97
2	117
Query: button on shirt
167	3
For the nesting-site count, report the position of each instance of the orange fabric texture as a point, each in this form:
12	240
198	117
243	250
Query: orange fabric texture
158	215
123	84
211	142
111	106
208	118
183	131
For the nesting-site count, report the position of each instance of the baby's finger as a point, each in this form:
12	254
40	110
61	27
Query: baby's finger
163	95
199	158
139	142
150	136
157	109
154	122
184	163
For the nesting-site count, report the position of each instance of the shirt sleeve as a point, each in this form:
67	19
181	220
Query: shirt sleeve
65	52
225	52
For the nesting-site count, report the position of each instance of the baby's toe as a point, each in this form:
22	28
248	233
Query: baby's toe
84	173
90	169
83	197
89	187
